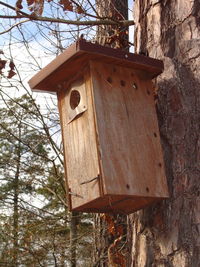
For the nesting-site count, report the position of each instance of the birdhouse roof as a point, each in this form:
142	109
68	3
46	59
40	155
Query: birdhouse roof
76	57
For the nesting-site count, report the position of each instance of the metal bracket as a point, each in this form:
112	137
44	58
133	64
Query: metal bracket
89	181
75	195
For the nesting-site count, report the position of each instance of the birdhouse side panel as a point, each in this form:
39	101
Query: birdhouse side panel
79	139
128	132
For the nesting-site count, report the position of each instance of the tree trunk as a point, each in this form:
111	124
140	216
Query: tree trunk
167	234
16	207
113	36
73	238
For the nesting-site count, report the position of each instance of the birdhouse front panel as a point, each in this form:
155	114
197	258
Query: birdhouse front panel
79	138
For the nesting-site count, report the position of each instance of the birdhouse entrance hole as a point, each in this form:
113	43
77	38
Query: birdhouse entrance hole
75	98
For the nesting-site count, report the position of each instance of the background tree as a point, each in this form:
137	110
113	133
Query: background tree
24	164
167	234
35	221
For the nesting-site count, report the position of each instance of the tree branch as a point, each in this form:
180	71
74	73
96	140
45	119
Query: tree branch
73	22
14	25
13	8
32	17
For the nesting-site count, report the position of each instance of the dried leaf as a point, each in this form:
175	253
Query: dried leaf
19	4
2	64
11	74
79	10
36	6
67	5
12	65
30	2
120	230
119	259
111	229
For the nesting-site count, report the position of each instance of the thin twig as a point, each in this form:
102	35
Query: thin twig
15	25
124	23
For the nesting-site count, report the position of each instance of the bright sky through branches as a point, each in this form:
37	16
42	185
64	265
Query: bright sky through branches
33	45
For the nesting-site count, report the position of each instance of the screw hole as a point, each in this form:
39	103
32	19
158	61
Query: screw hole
75	99
155	134
128	186
147	189
123	83
134	85
148	92
109	79
159	164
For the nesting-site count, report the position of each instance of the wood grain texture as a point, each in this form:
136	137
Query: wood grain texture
112	149
60	96
79	139
129	140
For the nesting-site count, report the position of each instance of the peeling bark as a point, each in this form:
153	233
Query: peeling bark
168	233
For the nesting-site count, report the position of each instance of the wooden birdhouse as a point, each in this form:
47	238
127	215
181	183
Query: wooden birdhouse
112	149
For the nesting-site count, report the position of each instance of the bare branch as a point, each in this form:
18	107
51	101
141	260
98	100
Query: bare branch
73	22
33	17
13	8
14	25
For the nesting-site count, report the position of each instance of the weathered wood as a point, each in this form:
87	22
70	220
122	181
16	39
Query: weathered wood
128	134
80	147
112	150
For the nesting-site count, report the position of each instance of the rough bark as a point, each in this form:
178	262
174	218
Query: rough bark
168	233
113	36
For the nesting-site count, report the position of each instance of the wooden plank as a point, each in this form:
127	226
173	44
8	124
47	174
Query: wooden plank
128	133
60	96
81	157
74	58
117	204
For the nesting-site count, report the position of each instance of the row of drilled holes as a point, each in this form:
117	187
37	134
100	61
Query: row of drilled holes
75	95
123	83
134	85
75	100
